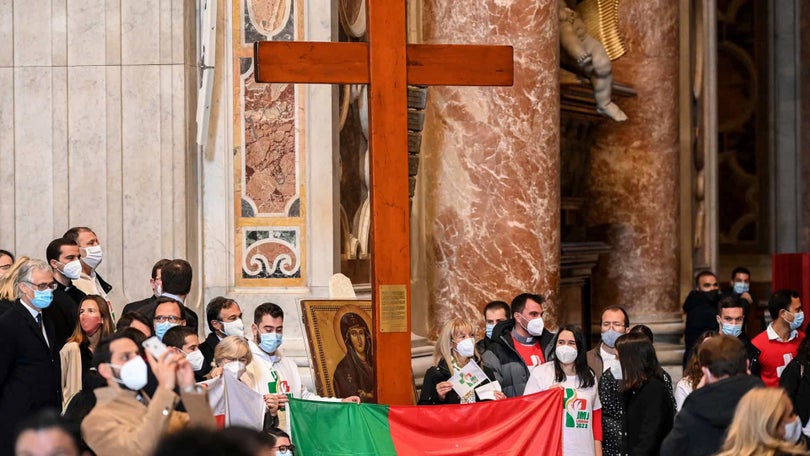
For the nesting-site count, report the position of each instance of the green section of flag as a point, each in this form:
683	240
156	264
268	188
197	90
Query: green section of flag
340	429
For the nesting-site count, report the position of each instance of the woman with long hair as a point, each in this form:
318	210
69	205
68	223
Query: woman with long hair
582	415
649	411
95	323
8	283
455	348
764	424
693	375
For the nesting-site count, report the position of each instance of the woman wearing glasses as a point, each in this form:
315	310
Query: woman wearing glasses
95	323
582	414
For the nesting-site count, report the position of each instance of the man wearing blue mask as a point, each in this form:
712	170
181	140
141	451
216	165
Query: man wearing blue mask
494	313
168	314
730	321
270	373
779	343
615	323
30	372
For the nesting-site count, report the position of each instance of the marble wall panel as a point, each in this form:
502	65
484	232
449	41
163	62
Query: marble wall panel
86	32
143	181
7	158
6	33
114	240
60	150
177	125
632	196
87	171
33	141
140	32
112	42
32	33
804	140
59	35
491	164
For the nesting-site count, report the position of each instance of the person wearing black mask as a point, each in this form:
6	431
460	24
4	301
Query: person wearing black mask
701	309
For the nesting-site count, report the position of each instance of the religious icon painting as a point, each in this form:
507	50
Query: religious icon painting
340	346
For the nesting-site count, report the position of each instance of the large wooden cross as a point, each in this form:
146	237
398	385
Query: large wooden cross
387	64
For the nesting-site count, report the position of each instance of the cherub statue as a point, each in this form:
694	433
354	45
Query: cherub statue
592	59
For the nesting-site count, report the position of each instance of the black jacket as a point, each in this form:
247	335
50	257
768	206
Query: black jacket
701	315
648	417
207	348
64	311
795	380
438	374
505	362
139	306
30	371
701	424
752	353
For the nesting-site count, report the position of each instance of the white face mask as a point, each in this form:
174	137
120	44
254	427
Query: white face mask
566	354
92	256
237	368
793	430
132	373
233	328
466	347
72	270
535	326
196	359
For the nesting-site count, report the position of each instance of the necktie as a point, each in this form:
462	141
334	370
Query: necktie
39	320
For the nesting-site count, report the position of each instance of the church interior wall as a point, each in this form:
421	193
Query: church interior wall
93	131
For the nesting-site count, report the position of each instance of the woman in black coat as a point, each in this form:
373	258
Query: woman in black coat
455	348
649	409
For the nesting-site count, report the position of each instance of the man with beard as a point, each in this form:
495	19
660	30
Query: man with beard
354	375
701	310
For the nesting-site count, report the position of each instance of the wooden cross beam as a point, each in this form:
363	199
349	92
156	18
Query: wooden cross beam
387	64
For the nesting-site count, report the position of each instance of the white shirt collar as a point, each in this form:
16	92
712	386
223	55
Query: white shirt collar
173	296
606	356
33	312
772	335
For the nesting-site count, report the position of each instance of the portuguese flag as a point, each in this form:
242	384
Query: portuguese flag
520	425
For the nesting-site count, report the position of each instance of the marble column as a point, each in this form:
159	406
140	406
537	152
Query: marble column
632	186
489	186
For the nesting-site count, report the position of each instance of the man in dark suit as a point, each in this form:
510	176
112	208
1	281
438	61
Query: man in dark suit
224	319
63	257
175	281
30	372
147	306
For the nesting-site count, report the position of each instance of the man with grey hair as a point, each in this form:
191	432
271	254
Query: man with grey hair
30	372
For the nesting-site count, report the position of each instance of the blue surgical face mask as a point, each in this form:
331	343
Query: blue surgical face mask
609	337
740	287
42	299
732	330
270	342
798	319
490	327
161	328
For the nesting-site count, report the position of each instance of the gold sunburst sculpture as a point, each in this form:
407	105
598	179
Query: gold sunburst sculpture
601	19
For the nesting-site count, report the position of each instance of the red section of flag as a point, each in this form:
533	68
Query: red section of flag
520	425
220	419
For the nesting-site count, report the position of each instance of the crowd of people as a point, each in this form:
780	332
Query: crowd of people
81	381
737	396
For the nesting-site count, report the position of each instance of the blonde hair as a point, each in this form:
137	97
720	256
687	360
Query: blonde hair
444	346
8	284
232	347
755	428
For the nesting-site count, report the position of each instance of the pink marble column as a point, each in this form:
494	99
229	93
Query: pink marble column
490	159
632	197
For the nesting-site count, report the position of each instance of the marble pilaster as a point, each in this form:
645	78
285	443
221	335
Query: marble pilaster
632	186
490	165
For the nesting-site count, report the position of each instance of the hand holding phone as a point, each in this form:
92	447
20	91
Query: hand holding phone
155	347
